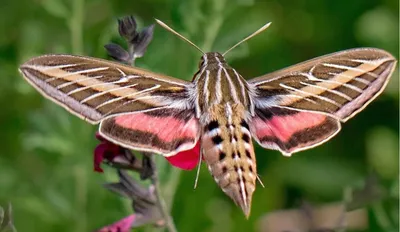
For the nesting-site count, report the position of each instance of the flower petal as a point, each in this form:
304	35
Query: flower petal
99	156
106	150
186	160
99	137
123	225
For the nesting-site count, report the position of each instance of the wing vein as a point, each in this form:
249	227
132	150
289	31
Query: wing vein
328	90
311	94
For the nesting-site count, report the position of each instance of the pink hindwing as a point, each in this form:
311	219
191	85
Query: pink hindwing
291	131
166	132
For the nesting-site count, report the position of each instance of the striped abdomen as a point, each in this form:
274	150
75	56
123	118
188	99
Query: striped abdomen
228	152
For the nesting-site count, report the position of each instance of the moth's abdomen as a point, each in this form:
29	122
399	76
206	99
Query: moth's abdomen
228	152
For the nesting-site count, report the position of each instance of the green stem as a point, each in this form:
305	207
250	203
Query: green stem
165	212
75	26
169	187
381	216
213	28
80	197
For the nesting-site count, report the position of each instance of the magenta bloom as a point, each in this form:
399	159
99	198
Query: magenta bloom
107	151
123	225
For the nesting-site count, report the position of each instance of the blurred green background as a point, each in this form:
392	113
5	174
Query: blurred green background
46	153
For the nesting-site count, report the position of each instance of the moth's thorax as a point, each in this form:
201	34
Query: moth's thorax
228	151
218	83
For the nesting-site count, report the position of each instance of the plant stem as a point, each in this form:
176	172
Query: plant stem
75	25
215	24
80	197
169	223
381	216
169	187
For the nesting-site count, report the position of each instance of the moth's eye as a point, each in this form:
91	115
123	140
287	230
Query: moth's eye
201	63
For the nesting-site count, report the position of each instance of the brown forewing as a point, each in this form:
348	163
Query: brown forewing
339	84
94	88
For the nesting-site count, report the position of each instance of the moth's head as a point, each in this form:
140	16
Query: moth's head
211	58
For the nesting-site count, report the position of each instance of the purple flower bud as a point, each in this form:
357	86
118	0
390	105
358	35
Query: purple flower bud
127	28
117	53
137	41
142	40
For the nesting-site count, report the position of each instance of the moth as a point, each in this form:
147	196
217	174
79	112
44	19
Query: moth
289	110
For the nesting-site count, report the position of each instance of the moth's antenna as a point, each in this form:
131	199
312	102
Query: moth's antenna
249	37
259	180
176	33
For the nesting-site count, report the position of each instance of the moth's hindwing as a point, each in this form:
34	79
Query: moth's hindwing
164	131
291	131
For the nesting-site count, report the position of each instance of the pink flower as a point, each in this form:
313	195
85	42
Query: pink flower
123	225
107	151
186	160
